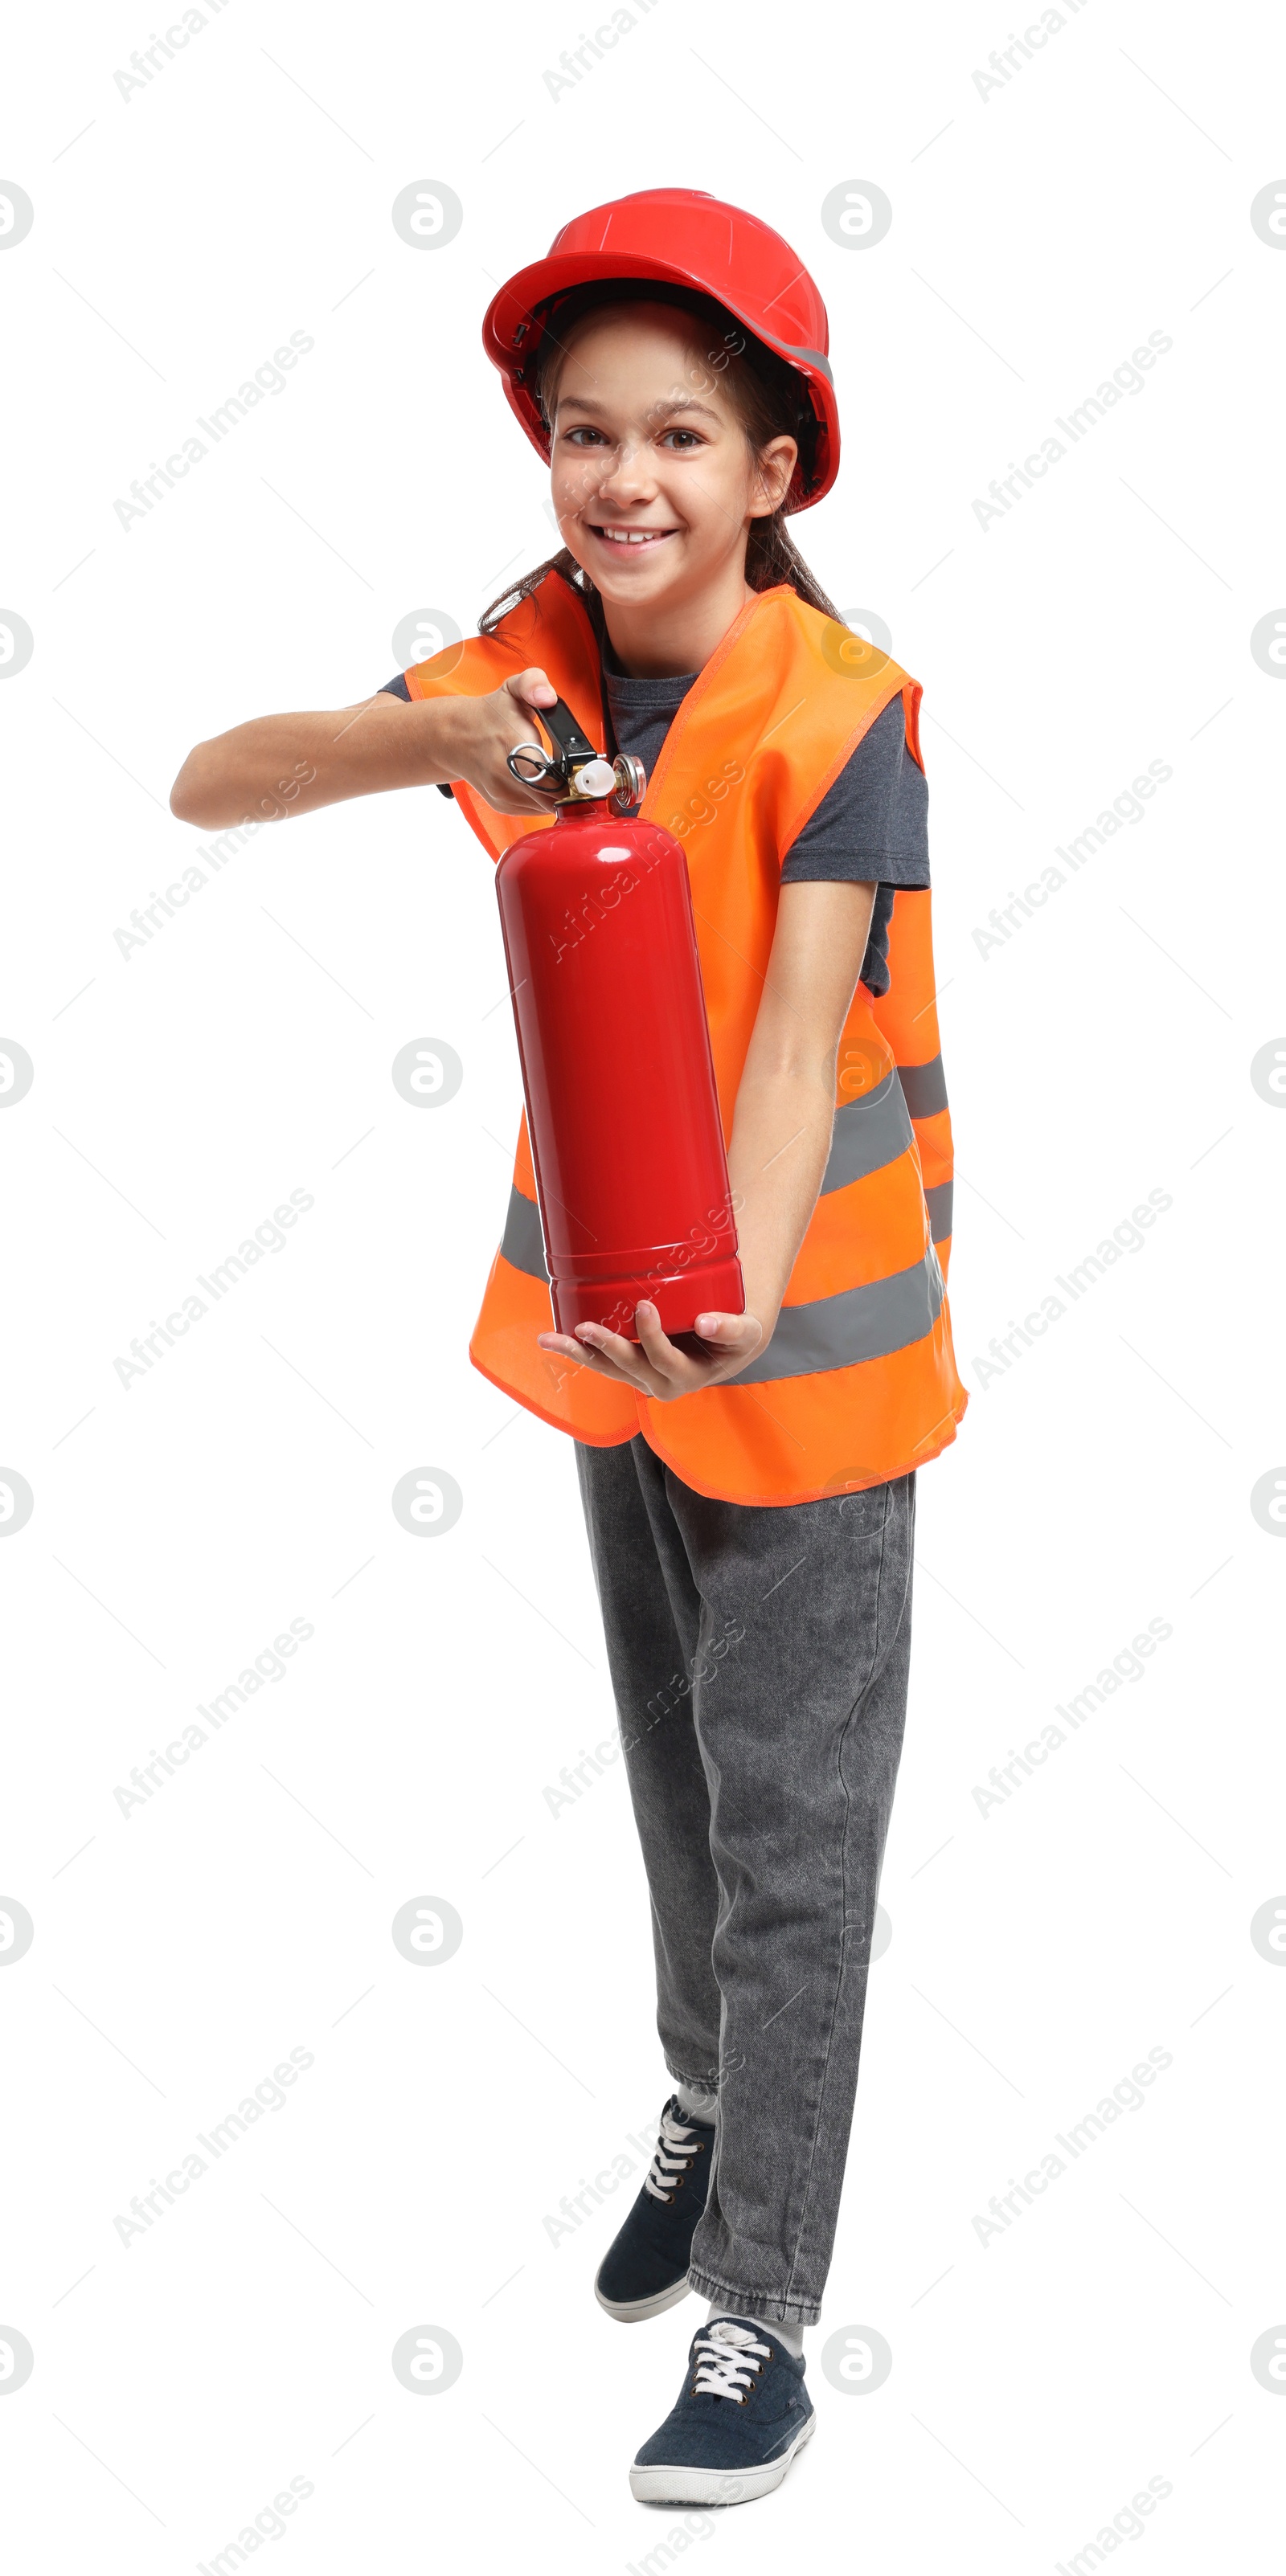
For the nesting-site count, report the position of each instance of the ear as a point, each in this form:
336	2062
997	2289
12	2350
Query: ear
774	465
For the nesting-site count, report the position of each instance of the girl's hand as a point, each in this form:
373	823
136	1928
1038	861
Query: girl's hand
652	1365
480	733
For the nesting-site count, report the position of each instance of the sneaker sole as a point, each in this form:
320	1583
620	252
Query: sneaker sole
632	2312
716	2486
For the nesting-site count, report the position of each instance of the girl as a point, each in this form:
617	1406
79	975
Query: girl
749	1498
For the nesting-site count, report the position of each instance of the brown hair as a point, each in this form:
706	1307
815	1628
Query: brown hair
769	397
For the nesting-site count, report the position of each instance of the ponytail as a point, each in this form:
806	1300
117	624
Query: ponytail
772	556
563	562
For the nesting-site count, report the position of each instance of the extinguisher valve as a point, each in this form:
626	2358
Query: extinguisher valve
623	779
583	774
596	778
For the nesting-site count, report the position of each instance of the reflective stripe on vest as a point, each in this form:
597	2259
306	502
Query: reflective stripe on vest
867	1135
826	1333
522	1242
859	1324
907	1017
923	1087
858	1381
938	1203
924	1090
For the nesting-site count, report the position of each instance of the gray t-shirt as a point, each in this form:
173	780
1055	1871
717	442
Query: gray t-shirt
870	825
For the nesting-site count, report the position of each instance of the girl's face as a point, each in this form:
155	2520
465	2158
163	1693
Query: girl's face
654	482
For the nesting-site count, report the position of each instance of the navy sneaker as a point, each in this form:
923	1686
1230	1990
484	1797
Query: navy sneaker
743	2415
645	2268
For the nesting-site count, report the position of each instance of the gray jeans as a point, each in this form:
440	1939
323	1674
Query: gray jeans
759	1659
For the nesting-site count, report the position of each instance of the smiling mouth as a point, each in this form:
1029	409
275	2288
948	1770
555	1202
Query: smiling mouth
633	540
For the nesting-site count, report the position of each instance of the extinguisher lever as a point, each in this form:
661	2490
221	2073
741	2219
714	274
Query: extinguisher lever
559	721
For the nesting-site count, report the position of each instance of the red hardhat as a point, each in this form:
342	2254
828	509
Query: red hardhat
684	237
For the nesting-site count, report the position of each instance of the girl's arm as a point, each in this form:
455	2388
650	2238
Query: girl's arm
785	1112
781	1136
303	761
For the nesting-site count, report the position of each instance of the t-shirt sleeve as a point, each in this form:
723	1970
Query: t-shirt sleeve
871	825
398	689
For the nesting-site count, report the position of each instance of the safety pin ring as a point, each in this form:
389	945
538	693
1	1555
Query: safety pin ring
544	767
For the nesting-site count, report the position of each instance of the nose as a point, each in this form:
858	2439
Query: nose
629	475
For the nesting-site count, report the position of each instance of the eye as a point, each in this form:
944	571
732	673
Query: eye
688	436
583	434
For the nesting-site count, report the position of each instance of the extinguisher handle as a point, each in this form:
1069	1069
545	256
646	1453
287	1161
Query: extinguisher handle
572	748
559	721
577	764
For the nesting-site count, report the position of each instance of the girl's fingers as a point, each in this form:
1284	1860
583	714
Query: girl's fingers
652	1365
625	1356
533	688
660	1349
668	1368
730	1332
563	1342
590	1355
608	1354
530	691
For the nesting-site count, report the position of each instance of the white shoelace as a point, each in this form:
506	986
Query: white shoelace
727	2361
671	2160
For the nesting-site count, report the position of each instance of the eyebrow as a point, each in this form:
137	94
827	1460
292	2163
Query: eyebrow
681	402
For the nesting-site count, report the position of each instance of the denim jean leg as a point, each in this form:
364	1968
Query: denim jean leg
801	1730
651	1621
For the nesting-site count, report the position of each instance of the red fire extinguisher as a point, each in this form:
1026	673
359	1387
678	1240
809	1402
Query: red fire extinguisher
622	1108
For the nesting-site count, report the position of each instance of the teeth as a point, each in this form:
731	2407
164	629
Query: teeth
633	536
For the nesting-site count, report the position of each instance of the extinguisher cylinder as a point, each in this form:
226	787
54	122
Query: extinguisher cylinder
623	1111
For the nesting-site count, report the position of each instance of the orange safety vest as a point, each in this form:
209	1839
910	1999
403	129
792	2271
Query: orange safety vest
858	1382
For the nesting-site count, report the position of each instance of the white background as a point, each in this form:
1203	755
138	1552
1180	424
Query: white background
1038	1952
